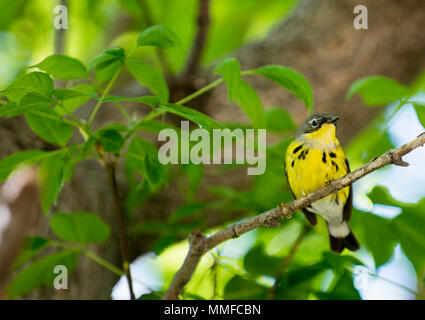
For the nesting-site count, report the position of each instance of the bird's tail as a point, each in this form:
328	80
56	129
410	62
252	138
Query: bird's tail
338	244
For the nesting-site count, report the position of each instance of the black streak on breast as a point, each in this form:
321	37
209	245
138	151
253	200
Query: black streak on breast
297	148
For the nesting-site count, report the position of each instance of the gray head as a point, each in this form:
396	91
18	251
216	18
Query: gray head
315	122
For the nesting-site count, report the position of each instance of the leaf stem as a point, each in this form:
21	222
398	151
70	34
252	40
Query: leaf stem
372	274
208	87
110	167
103	262
200	91
151	115
402	103
124	112
104	94
90	254
75	120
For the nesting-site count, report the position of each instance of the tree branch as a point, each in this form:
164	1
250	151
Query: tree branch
198	244
200	39
110	167
304	231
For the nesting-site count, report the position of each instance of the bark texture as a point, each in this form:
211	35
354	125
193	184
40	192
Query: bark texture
319	41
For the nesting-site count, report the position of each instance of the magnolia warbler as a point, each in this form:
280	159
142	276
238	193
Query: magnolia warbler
312	160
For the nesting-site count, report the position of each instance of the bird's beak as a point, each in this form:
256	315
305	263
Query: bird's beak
333	119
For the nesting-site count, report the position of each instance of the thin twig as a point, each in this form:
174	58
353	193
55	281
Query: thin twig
304	231
60	33
200	39
110	167
162	56
198	244
104	94
372	274
89	254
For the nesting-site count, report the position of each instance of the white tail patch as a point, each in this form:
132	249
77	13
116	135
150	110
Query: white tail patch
339	231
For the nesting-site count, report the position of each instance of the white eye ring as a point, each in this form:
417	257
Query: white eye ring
314	123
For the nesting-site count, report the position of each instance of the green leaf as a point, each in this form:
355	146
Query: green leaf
420	112
107	63
111	140
64	94
343	290
49	126
142	157
115	126
377	90
340	263
32	246
107	55
31	101
76	154
63	67
256	261
150	77
230	69
251	104
291	80
38	82
51	172
194	173
409	226
239	288
151	296
41	272
159	36
381	195
297	283
79	227
189	210
278	119
73	99
10	108
379	243
188	113
10	163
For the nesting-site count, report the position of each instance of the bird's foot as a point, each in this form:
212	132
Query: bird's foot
287	215
328	182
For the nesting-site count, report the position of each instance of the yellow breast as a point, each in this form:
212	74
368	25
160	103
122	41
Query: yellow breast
314	159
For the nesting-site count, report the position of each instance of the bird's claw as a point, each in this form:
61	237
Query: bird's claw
287	215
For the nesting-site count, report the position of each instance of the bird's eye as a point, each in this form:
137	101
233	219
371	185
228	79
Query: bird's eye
314	123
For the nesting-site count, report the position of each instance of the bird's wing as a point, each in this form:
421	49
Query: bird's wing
311	217
348	207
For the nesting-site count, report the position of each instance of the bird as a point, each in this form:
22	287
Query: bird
312	160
